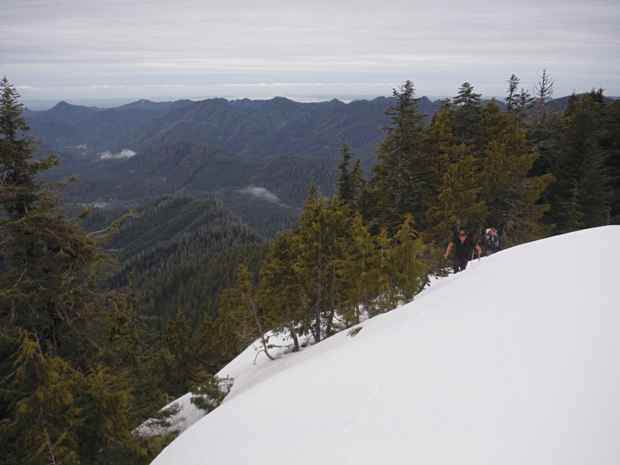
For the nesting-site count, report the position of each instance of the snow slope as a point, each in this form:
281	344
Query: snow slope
514	361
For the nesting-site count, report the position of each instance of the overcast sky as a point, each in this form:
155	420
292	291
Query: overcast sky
79	49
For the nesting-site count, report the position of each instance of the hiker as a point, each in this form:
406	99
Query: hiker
491	242
463	245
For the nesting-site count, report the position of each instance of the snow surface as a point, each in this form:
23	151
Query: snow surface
514	361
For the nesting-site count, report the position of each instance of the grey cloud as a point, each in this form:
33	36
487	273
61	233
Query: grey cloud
78	46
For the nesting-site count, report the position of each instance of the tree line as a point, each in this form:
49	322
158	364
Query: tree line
528	171
80	366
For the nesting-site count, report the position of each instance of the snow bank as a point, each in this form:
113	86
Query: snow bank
513	361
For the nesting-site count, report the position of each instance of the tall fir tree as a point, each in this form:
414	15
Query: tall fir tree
610	144
455	181
580	168
180	361
511	195
280	290
321	237
398	184
518	103
467	116
545	127
53	314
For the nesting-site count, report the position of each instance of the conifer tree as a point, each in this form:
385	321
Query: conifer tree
545	128
398	184
320	240
344	183
580	169
441	147
407	256
280	289
53	316
455	180
458	204
361	270
467	115
518	103
208	354
240	321
181	362
610	143
511	195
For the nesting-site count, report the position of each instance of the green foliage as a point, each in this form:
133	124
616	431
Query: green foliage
195	286
467	108
240	321
180	360
320	242
581	193
398	184
610	143
330	272
66	381
279	288
209	394
45	417
169	231
350	182
482	171
355	331
518	103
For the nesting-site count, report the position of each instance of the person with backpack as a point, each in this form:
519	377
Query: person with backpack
463	245
491	242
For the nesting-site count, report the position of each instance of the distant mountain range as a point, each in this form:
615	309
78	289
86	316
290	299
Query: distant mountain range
259	157
255	129
251	128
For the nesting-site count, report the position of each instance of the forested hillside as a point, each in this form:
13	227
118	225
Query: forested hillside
76	129
348	241
195	286
265	193
182	252
169	231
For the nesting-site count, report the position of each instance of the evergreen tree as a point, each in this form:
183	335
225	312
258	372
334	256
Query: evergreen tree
545	128
407	256
181	361
207	353
320	241
455	181
344	184
398	184
350	182
610	143
580	169
481	162
280	289
518	103
458	204
467	115
511	195
54	320
362	269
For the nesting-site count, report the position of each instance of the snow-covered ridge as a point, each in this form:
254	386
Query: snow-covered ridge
513	361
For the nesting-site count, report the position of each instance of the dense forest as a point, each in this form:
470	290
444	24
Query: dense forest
108	314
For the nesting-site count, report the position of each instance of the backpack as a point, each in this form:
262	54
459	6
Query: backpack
495	239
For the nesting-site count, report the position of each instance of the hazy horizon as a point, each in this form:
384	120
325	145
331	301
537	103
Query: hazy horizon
135	49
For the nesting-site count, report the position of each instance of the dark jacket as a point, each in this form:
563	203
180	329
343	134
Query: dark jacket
463	249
